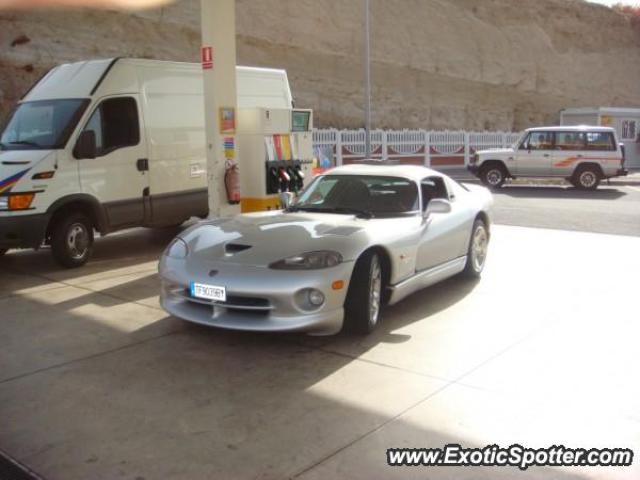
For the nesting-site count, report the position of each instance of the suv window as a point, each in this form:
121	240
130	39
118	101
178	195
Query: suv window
570	140
600	141
539	141
115	123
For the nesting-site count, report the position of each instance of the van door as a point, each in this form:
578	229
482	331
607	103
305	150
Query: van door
533	157
117	176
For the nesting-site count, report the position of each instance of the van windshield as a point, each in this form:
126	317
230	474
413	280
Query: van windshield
42	124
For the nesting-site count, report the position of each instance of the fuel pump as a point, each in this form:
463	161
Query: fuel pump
277	153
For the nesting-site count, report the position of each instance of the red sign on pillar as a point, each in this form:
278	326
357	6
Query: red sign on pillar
206	57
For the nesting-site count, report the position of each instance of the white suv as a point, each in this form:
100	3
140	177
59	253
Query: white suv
582	155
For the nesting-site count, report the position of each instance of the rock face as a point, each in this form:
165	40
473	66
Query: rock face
436	64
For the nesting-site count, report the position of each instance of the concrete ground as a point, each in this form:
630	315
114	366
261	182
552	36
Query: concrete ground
96	381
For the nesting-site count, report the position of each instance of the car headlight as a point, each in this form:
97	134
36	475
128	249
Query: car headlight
177	249
309	261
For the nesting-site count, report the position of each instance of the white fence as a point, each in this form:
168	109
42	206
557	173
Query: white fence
421	147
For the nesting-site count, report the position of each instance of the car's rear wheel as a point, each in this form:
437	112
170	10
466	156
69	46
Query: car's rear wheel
587	178
477	251
493	175
72	240
364	297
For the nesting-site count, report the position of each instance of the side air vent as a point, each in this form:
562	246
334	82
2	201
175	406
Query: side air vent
235	248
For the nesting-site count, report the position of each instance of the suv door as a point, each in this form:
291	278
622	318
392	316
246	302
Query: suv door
116	177
533	157
569	151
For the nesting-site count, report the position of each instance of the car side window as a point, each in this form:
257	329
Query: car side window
524	145
540	141
602	141
115	124
433	187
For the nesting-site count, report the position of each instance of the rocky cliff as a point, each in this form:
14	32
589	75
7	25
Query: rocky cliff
490	64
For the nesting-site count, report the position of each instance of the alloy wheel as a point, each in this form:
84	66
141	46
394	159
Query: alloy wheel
375	289
479	248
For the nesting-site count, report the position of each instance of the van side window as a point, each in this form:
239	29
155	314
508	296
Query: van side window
433	187
115	123
600	141
541	141
570	141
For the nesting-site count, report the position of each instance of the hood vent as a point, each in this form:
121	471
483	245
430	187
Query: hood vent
231	248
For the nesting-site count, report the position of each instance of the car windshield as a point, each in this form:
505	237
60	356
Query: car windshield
369	196
43	124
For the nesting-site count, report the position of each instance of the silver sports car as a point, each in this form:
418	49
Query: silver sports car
357	238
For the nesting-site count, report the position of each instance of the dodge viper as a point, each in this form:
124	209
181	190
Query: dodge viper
358	237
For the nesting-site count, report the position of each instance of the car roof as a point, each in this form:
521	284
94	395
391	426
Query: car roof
412	172
572	128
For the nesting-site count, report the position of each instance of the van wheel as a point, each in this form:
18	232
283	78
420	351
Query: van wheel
493	175
72	240
586	178
364	298
477	251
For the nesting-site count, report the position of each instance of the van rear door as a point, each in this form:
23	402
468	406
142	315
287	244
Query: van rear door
117	177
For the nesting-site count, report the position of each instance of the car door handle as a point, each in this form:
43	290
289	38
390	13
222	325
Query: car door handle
142	164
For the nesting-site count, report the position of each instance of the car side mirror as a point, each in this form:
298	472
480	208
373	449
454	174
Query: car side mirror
85	145
437	205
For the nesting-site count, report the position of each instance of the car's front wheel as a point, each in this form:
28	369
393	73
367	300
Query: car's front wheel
364	297
477	251
72	240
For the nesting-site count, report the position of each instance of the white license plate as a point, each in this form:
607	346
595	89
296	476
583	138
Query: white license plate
208	292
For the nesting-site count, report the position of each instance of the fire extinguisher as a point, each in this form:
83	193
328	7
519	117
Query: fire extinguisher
232	181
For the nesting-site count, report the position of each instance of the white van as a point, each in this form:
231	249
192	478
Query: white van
583	155
110	144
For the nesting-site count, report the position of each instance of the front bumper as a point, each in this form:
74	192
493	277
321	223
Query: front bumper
258	298
474	169
23	231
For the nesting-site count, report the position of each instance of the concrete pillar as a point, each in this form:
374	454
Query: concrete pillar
219	46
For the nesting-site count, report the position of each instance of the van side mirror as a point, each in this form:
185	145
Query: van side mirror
85	145
437	205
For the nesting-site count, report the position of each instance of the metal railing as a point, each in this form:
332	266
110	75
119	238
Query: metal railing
420	147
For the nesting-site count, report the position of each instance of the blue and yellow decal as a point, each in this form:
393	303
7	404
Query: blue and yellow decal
7	183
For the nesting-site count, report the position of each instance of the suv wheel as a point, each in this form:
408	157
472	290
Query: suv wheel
586	178
493	175
72	240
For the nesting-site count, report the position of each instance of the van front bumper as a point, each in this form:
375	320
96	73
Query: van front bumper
23	231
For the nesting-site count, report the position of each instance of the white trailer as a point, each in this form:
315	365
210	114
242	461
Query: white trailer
625	121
